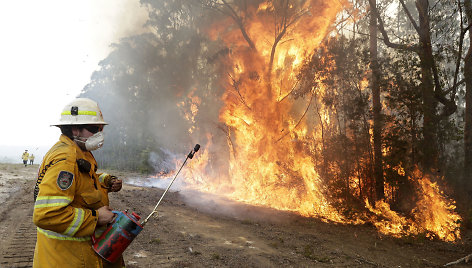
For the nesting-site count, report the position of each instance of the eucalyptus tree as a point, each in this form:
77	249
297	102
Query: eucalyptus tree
426	42
376	104
140	83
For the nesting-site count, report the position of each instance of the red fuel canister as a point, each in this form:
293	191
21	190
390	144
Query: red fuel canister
116	238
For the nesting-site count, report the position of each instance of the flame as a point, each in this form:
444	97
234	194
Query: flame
268	164
190	108
433	214
270	142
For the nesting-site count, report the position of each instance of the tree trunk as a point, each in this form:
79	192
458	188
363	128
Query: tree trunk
430	143
468	103
377	107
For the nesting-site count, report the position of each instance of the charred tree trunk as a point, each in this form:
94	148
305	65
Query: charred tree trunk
377	107
430	143
468	103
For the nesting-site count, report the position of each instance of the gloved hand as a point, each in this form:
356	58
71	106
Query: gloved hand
105	215
115	184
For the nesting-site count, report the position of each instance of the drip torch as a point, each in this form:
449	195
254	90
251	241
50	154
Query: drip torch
125	227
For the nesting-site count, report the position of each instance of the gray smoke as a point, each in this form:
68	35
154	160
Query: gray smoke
214	204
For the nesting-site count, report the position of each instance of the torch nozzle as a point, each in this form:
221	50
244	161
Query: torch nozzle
195	149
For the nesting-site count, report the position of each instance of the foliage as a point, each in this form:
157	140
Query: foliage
141	82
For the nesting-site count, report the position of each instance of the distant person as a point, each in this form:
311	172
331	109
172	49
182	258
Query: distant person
25	157
31	159
71	201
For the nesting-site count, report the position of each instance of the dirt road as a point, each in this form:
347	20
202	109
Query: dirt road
198	230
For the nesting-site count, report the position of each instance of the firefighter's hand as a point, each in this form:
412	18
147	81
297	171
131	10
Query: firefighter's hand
105	215
115	184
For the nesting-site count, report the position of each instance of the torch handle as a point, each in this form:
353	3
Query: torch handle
190	155
155	208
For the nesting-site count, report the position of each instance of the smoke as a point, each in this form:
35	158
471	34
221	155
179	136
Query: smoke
222	206
108	21
162	160
215	204
152	182
158	93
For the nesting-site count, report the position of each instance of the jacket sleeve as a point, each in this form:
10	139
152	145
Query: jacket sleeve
52	209
105	183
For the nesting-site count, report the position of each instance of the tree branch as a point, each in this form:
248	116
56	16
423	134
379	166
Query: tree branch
281	31
384	33
236	88
454	87
239	22
459	53
465	259
290	92
228	137
306	110
409	16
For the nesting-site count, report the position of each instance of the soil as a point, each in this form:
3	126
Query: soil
199	230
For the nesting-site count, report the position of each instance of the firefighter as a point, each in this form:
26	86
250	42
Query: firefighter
31	159
70	203
25	157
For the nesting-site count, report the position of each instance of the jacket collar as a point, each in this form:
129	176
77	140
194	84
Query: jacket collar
79	153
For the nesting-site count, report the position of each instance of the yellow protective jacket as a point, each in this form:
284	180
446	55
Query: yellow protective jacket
65	208
25	156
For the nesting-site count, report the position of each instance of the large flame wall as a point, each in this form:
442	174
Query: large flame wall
268	162
270	159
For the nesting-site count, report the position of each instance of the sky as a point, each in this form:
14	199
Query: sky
48	52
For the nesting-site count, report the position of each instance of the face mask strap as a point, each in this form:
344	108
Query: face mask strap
80	142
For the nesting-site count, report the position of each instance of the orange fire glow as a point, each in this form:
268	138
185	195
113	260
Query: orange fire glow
433	216
192	103
270	142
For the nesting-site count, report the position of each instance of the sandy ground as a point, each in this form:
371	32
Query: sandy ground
200	230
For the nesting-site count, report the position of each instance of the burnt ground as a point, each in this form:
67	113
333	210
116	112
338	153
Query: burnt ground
204	231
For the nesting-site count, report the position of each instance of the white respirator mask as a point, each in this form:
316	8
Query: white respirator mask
91	143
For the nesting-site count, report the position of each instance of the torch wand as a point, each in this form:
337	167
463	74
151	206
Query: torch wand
190	155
